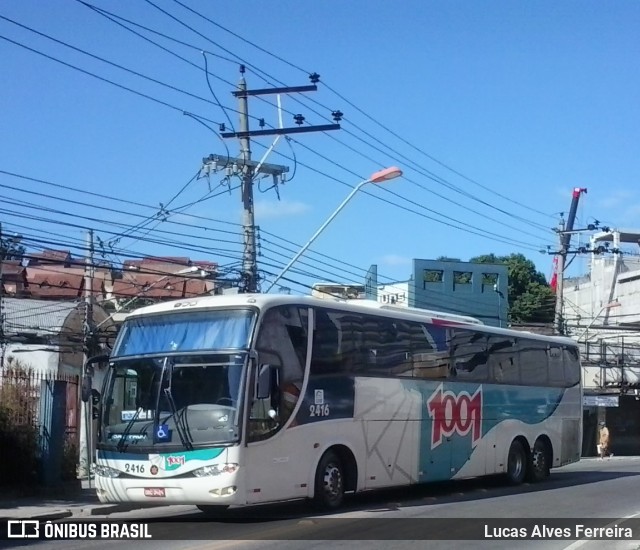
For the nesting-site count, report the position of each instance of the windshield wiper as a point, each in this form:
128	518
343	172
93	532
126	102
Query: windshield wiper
179	420
121	446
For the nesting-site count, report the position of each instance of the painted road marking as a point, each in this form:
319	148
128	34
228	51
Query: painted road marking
582	542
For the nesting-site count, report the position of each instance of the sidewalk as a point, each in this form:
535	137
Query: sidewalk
81	503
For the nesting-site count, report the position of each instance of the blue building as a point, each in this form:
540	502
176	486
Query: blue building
477	290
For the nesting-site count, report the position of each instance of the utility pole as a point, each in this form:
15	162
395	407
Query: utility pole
247	169
86	409
564	233
560	264
249	263
88	295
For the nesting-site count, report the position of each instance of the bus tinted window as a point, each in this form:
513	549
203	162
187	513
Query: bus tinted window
571	366
430	351
388	346
556	366
325	343
503	360
374	345
470	355
534	369
337	340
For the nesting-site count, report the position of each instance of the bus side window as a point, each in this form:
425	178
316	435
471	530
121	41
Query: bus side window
556	366
572	372
387	346
429	351
281	343
325	356
503	360
470	355
534	362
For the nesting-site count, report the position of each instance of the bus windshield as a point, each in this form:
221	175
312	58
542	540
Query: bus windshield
172	402
184	332
175	380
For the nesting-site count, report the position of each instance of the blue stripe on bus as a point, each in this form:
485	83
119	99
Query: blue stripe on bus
441	458
198	454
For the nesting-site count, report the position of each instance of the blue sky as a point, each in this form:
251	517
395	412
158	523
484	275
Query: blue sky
496	112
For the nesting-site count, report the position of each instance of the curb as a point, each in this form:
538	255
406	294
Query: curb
113	509
89	511
45	516
107	509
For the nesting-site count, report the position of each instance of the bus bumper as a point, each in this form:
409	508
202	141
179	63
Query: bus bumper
214	490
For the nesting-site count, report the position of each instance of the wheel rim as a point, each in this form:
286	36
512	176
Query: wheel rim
516	465
332	482
539	460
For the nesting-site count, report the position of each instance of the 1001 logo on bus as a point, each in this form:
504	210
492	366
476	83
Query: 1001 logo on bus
455	414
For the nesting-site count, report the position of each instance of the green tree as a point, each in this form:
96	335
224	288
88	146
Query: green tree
530	296
11	249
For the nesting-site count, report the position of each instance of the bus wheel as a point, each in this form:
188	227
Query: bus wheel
212	510
539	465
329	484
516	463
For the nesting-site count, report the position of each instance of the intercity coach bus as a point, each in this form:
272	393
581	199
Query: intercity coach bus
247	399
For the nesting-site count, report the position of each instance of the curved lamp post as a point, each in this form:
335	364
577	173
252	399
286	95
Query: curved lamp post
377	177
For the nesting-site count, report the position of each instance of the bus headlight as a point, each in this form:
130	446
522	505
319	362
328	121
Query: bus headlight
105	471
215	469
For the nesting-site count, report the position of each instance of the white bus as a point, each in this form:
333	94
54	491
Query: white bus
246	399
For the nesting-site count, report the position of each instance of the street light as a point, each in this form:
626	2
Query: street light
377	177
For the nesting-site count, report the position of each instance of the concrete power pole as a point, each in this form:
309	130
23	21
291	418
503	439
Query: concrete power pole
560	265
249	168
249	258
564	233
86	409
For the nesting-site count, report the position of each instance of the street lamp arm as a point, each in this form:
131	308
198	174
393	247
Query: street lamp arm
377	177
315	235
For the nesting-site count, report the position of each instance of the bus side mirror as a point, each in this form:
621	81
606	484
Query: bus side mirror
263	382
87	379
87	385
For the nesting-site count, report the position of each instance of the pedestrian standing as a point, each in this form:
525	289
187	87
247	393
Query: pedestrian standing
604	441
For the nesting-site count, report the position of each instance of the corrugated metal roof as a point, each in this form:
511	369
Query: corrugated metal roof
38	317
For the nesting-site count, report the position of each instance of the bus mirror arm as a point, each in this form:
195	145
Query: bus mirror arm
102	358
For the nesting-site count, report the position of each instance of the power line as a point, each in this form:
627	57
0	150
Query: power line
369	117
89	73
435	178
482	233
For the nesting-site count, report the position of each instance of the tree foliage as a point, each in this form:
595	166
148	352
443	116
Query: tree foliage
11	249
530	296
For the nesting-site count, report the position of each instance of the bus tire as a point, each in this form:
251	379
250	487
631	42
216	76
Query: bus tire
516	463
539	467
212	510
328	492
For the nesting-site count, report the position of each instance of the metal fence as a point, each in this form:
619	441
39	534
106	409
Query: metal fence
39	426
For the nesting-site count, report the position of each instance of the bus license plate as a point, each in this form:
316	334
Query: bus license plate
154	492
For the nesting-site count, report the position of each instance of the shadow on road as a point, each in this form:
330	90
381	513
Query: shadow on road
384	500
298	521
